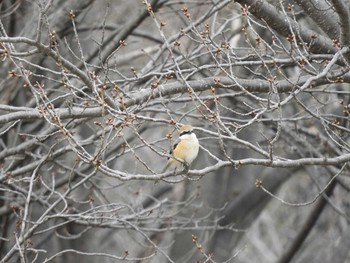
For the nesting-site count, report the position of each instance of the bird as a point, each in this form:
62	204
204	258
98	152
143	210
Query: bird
186	149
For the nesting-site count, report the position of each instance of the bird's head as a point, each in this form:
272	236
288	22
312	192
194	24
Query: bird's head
185	129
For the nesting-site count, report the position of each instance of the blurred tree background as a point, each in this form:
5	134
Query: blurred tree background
91	95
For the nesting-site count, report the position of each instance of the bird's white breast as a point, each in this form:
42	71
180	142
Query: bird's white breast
192	146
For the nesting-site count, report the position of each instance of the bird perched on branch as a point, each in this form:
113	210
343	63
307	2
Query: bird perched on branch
185	150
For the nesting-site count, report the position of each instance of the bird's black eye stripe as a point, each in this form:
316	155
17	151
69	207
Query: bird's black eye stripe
186	132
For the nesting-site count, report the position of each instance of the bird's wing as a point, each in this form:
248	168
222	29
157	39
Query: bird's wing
174	146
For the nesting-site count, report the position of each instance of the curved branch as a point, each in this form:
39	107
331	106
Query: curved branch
323	16
344	16
281	24
325	161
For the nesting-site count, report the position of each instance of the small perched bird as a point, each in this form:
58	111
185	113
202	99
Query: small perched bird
186	149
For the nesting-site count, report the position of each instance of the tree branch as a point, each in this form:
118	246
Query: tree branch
280	23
